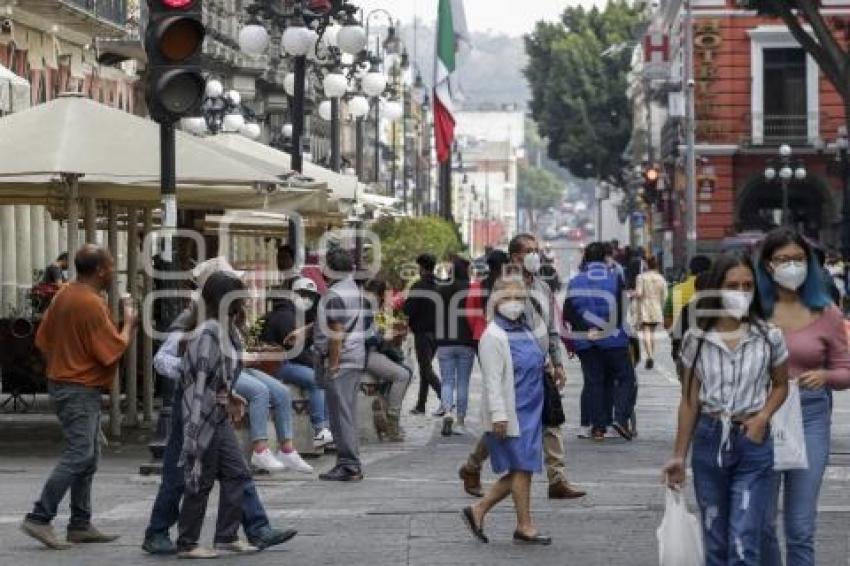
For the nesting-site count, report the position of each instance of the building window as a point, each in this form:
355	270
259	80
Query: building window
785	104
785	89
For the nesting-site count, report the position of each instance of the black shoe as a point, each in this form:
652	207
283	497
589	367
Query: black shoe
650	363
159	544
342	473
417	411
268	537
520	538
477	531
622	430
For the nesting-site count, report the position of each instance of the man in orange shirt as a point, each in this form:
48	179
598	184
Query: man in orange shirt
82	348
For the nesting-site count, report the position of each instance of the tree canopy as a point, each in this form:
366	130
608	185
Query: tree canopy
537	188
402	240
577	71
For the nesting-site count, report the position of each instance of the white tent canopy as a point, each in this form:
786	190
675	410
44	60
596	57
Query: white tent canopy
14	91
342	187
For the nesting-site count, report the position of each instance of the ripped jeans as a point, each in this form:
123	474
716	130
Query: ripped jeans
734	495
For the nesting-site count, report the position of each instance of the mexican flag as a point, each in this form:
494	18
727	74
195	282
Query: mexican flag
451	33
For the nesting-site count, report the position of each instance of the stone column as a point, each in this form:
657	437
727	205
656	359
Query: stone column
37	244
115	395
23	258
147	341
130	375
8	264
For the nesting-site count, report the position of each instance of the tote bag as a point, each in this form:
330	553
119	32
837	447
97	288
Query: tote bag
789	441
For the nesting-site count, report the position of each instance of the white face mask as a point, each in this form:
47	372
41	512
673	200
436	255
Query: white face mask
736	303
790	275
303	303
511	310
531	262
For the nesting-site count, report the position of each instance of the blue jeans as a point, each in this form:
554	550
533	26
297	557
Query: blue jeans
609	384
262	392
78	410
166	508
733	498
455	370
801	488
304	377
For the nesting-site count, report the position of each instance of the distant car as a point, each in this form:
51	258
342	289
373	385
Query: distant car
576	235
743	242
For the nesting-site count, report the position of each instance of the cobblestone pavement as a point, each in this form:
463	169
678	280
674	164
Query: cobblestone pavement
407	509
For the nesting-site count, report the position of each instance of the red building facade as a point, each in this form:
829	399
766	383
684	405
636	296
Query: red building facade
756	89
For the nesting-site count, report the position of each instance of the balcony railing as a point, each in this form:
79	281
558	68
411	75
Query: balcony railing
786	129
114	11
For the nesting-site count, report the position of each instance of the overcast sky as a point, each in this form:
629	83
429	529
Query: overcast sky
514	17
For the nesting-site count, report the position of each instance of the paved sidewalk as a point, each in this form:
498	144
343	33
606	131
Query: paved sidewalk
407	509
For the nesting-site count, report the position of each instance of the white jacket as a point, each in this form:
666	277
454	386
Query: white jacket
498	403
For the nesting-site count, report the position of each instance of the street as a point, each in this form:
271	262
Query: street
406	511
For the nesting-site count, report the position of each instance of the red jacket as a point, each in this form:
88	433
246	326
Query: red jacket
475	306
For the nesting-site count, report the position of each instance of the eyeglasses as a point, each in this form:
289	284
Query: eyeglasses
779	259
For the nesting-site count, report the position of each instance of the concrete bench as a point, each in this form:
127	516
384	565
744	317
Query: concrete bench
302	428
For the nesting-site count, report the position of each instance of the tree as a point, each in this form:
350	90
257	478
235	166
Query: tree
537	189
402	240
578	72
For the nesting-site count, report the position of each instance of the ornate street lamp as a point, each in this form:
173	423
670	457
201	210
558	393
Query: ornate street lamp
786	169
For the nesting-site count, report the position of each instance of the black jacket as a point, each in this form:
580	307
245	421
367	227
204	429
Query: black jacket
280	323
421	311
456	330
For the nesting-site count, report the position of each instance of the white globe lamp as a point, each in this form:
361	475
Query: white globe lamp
326	110
358	106
233	97
800	174
786	173
214	88
253	39
351	39
286	130
374	83
233	122
335	85
770	173
785	150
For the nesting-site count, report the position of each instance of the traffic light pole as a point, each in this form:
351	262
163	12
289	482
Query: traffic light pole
298	114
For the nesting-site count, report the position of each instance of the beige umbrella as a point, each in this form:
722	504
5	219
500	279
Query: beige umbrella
342	187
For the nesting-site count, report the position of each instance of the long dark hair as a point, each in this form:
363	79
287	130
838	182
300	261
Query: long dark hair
813	293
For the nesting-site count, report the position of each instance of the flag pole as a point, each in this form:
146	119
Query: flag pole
446	189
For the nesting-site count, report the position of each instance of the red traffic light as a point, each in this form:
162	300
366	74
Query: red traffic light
177	4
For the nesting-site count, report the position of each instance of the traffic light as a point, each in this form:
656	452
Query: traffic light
651	177
173	42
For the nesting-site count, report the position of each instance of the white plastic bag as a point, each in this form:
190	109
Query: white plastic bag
679	536
789	441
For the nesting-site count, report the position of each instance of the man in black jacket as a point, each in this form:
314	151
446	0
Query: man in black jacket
421	311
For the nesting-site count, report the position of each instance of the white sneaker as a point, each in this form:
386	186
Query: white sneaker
294	461
237	547
323	438
265	460
585	432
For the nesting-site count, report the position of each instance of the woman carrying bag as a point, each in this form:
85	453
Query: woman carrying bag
735	378
512	364
795	298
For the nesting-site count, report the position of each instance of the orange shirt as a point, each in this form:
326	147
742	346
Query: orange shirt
78	338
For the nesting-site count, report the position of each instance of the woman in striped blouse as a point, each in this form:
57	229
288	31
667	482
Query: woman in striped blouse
793	294
735	378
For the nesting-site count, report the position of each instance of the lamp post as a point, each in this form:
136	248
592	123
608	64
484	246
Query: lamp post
786	169
304	23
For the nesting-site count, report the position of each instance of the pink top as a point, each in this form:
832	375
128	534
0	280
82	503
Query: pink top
821	345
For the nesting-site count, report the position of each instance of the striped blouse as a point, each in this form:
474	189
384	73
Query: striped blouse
735	382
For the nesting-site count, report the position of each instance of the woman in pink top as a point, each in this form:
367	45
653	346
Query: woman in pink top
794	296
